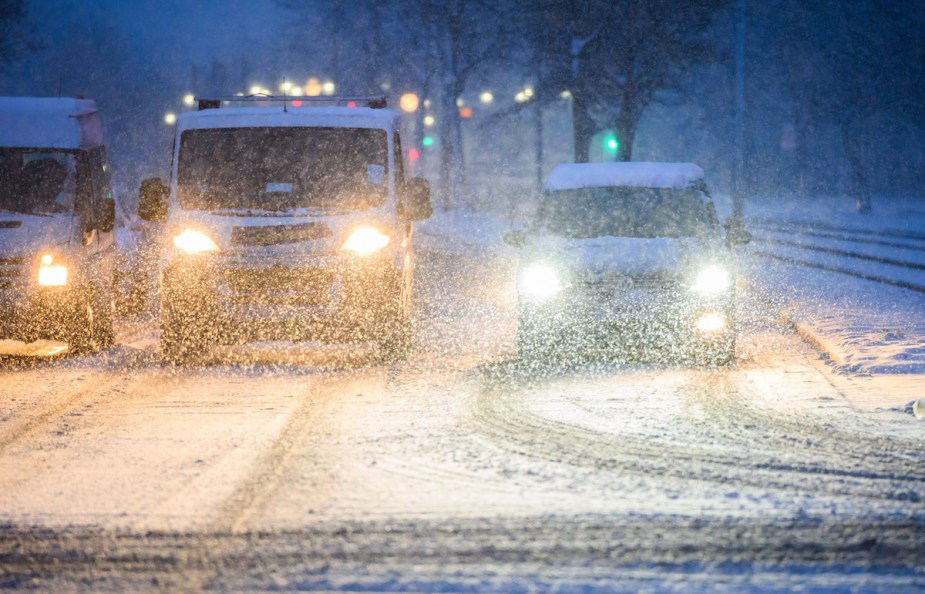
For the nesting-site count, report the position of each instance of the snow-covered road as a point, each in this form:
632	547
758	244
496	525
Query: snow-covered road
462	469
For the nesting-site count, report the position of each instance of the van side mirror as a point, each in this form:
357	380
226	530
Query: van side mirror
736	234
152	200
417	199
108	216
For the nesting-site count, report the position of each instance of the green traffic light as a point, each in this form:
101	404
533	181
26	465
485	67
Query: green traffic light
612	144
427	141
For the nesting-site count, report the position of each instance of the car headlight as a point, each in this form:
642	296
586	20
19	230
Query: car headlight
711	280
365	240
52	272
540	281
194	242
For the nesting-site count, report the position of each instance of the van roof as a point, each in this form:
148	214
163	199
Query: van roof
571	176
49	122
277	116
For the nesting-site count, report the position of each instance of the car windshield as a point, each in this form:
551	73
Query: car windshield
37	181
626	212
282	168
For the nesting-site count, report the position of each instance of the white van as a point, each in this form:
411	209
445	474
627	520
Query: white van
286	221
57	247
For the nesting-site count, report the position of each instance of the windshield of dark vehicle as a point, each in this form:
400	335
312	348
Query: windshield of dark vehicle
626	212
37	181
281	168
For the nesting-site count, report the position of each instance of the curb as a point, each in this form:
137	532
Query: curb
816	340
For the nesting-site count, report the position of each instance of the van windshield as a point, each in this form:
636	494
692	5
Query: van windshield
276	168
36	181
621	211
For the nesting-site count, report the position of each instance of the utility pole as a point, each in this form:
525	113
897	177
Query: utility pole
738	174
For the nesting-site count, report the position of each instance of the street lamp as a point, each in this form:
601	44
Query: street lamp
486	97
189	100
170	118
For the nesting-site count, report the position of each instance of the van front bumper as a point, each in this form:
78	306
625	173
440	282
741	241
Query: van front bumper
332	298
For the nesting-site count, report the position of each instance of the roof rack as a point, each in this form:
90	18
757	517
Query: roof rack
373	101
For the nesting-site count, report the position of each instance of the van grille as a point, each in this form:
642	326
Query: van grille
280	285
11	271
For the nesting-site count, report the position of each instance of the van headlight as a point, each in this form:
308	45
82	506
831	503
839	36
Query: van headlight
192	241
364	241
711	280
52	271
540	281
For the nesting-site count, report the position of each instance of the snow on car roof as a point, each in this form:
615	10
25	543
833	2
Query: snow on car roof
570	176
327	116
49	122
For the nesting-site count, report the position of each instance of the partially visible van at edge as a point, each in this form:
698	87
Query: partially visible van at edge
57	246
286	220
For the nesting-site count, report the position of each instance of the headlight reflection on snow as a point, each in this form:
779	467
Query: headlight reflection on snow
540	281
712	280
51	272
194	242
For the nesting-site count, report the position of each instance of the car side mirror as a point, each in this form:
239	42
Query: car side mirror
417	199
736	234
152	200
515	238
108	216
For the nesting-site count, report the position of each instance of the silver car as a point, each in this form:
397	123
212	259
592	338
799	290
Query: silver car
627	257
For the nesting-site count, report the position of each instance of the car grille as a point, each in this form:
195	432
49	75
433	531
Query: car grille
622	283
280	285
279	234
11	271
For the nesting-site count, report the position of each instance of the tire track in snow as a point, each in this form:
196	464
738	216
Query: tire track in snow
739	453
63	402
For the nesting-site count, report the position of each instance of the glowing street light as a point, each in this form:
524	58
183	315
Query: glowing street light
328	88
313	87
285	86
408	102
486	97
170	118
189	100
460	102
429	120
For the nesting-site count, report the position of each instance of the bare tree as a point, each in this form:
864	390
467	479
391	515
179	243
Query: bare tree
17	35
614	57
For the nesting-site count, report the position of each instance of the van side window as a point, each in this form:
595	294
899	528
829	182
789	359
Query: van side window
93	185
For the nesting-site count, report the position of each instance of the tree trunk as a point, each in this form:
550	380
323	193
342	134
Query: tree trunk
583	126
853	140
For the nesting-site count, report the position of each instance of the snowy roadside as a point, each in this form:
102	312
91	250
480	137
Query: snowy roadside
862	326
463	232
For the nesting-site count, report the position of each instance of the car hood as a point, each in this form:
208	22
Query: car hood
623	255
23	235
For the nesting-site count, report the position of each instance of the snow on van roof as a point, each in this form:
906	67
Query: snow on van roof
570	176
329	116
49	122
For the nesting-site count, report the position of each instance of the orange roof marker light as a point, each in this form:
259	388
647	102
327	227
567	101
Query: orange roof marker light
409	102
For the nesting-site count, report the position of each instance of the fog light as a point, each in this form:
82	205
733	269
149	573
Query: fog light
52	273
711	322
